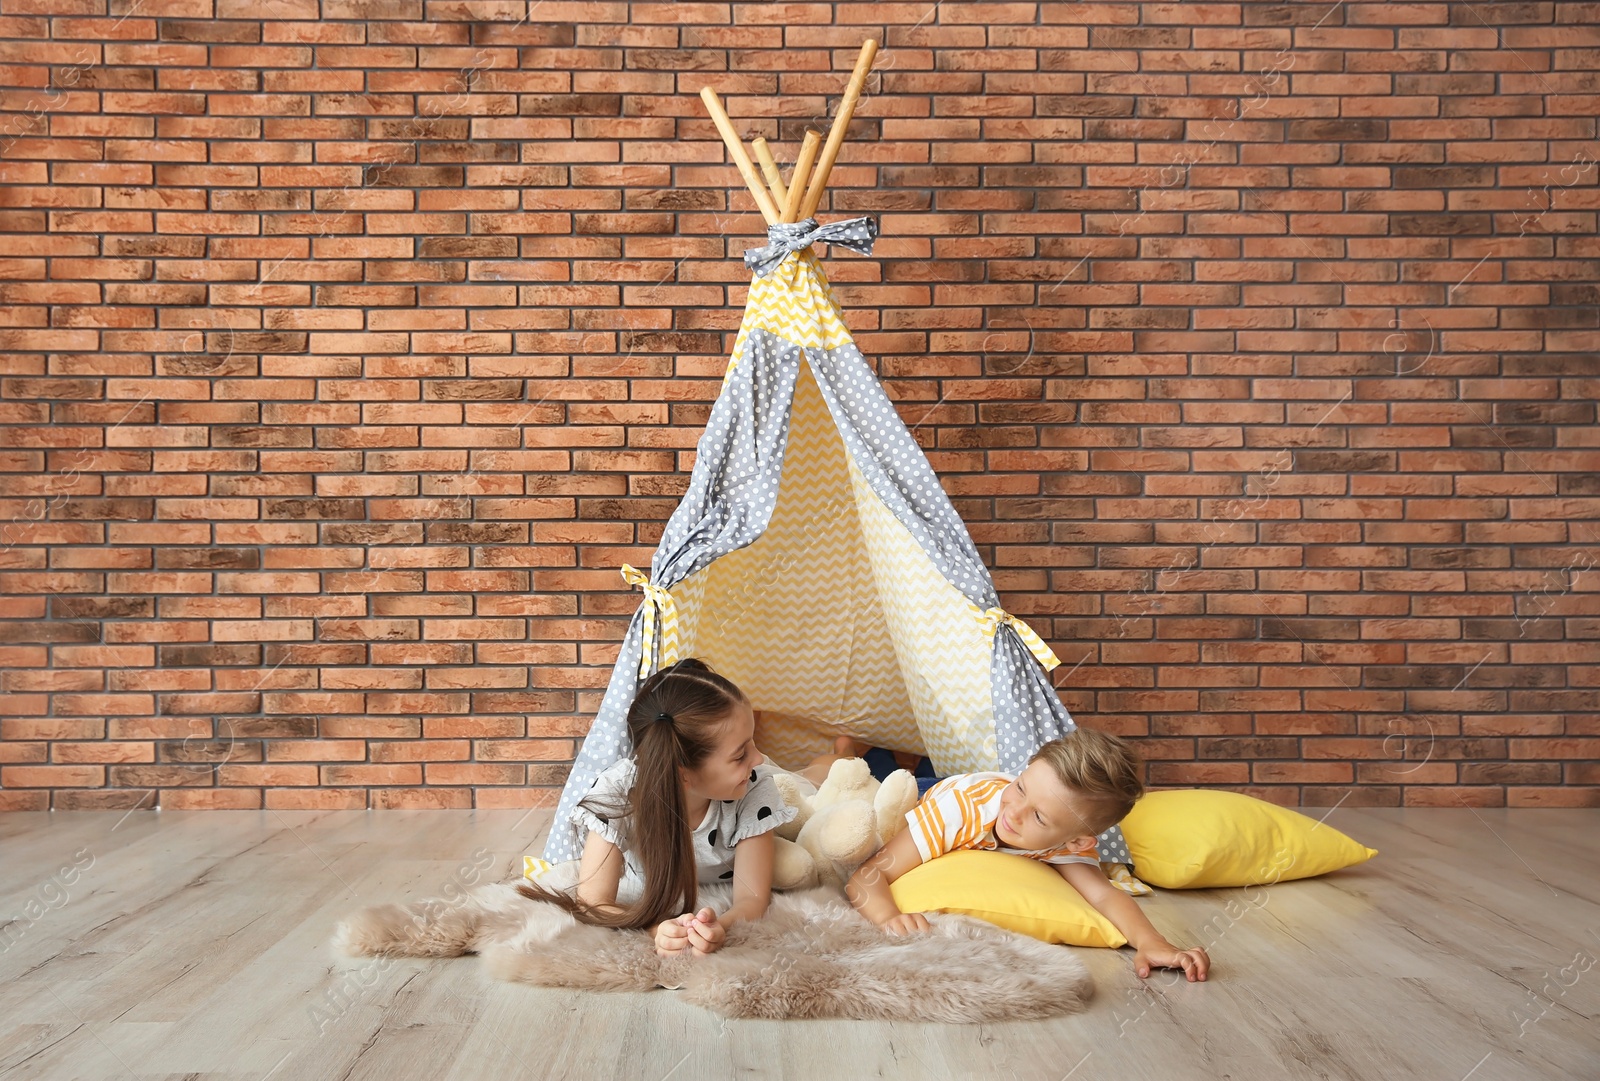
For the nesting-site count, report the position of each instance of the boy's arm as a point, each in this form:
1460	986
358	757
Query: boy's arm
1151	947
868	888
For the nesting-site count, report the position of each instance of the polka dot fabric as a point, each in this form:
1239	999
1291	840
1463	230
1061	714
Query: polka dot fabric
786	238
792	318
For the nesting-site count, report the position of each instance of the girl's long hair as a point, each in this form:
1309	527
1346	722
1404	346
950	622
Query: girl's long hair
698	701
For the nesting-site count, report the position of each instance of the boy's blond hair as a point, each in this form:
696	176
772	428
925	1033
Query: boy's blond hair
1101	769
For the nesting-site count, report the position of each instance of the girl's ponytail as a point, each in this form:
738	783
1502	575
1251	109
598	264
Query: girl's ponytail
662	836
673	724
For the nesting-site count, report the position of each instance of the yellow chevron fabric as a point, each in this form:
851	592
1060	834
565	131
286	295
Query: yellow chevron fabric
796	303
794	618
942	651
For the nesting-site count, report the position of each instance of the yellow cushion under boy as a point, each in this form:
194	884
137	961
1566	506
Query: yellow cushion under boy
1010	891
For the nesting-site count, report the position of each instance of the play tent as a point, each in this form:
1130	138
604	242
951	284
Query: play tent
815	560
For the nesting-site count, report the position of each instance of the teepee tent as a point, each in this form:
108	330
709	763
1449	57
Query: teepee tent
815	560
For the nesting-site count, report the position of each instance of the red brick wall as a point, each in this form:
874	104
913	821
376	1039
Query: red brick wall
348	351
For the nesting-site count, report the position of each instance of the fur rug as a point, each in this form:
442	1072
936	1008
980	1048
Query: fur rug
812	955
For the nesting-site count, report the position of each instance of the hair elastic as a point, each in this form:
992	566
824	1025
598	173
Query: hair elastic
664	716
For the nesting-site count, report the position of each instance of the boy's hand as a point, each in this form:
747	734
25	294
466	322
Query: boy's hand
907	923
1193	961
705	931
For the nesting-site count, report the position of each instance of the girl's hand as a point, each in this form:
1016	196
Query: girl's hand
706	933
672	937
1193	961
907	923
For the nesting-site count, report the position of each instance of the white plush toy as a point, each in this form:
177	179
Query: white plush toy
840	824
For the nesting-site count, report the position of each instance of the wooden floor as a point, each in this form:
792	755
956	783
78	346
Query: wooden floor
195	945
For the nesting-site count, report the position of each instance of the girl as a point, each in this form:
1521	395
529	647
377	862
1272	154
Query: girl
695	804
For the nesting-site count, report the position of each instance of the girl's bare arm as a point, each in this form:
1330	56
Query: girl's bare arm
752	878
599	873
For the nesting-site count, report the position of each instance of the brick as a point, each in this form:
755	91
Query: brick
250	776
532	750
514	798
162	776
370	774
90	776
468	773
1553	796
1455	796
315	750
1302	772
105	799
315	799
420	799
109	751
211	799
52	728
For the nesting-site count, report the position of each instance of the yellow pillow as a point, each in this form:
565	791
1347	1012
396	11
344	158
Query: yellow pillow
1014	892
1194	838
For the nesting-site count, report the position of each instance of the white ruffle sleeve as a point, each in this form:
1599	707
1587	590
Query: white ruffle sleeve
604	808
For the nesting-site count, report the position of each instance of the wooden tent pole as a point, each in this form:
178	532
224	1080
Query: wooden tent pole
802	172
769	167
847	108
747	169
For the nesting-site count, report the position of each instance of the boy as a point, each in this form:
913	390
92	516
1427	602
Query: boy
1072	790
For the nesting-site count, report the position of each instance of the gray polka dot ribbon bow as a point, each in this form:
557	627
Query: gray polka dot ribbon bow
857	234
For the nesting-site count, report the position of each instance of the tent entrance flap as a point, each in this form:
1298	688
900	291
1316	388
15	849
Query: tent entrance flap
794	617
835	621
943	655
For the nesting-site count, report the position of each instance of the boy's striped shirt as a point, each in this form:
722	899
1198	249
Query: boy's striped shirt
960	812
